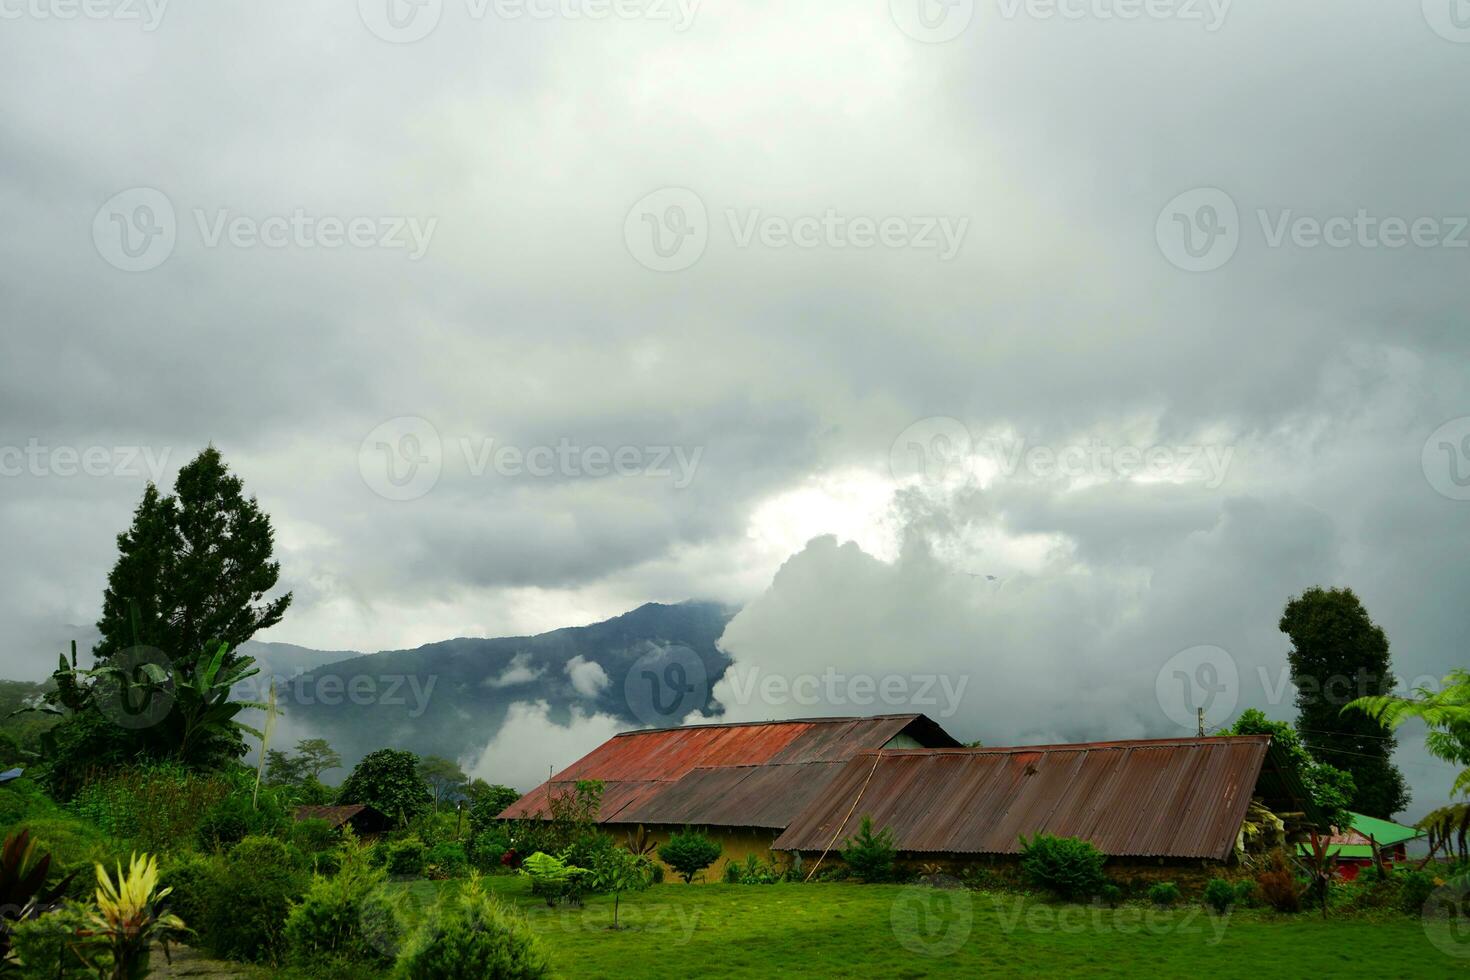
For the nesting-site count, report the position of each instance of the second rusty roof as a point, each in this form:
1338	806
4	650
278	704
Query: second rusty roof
1181	798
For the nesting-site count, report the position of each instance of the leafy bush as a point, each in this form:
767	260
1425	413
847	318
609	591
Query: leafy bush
588	849
1164	893
470	936
689	852
249	899
553	879
156	805
753	871
235	817
21	800
445	860
1247	893
1219	895
346	919
49	946
76	847
1277	886
1415	887
191	878
487	848
406	856
314	836
1070	867
1111	895
870	855
485	810
388	781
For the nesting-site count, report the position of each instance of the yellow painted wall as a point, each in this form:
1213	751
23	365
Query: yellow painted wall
736	844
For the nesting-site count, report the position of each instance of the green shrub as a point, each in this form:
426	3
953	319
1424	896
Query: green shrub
487	848
1246	893
48	945
1070	867
1111	895
1415	887
192	878
74	845
586	849
388	780
1219	895
753	871
314	836
345	919
406	856
245	914
21	800
870	855
470	936
235	818
445	860
689	852
155	806
1164	893
555	880
485	810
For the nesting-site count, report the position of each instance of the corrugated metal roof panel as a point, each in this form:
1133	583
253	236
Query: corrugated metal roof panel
644	772
1179	798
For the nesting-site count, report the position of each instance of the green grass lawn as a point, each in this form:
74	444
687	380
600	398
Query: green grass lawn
681	931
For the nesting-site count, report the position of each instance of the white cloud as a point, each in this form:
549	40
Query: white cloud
530	745
587	676
518	671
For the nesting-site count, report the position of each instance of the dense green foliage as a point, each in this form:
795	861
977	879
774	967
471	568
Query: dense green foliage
486	806
1220	895
1163	893
195	566
248	900
689	852
1339	654
1069	867
1331	787
473	937
406	856
346	919
388	780
870	855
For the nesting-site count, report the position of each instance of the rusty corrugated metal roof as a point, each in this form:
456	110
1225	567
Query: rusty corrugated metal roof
1181	798
334	815
735	775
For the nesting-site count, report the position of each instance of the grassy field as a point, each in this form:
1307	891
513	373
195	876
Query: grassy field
678	931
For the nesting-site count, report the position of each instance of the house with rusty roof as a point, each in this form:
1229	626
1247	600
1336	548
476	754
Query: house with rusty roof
802	787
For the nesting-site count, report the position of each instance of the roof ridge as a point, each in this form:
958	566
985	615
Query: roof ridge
833	720
1074	746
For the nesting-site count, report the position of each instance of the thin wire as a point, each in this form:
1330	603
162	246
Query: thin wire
845	819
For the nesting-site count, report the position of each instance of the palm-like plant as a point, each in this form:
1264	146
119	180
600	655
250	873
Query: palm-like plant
128	919
1447	714
23	891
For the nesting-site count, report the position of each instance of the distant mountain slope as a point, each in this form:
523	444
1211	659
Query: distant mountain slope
450	698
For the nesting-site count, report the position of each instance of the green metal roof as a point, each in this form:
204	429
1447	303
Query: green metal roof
1385	832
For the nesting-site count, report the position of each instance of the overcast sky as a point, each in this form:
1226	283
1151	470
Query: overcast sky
515	319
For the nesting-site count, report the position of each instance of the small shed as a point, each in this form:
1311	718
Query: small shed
1353	850
364	820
